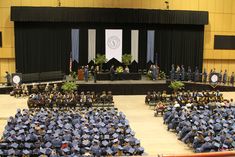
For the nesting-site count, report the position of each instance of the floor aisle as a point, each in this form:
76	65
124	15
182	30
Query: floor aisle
149	129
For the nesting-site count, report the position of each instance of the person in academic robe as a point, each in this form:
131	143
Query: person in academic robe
86	73
172	72
225	77
182	73
204	76
232	79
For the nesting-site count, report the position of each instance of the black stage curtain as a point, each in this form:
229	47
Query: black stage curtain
108	15
179	45
42	47
142	55
100	40
126	42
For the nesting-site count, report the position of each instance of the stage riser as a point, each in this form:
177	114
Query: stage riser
135	89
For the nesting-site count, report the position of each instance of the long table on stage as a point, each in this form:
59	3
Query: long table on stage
122	76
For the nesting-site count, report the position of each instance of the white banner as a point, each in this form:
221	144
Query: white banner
91	44
113	44
134	44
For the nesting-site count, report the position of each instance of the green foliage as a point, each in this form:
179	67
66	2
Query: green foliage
176	85
69	86
126	59
73	74
100	59
162	75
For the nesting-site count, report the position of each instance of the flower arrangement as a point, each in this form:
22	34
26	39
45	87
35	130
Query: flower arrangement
119	69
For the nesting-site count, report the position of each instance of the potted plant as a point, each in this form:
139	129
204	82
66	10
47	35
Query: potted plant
126	59
176	85
100	60
69	86
162	75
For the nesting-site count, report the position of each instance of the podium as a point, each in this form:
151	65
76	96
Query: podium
80	74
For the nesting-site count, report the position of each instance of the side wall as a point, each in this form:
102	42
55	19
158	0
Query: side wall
221	22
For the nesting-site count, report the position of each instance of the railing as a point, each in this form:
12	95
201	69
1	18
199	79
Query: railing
211	154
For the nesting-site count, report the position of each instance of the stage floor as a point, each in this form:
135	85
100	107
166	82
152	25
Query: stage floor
124	82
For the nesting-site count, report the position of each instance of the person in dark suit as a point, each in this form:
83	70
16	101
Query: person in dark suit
96	70
8	78
112	73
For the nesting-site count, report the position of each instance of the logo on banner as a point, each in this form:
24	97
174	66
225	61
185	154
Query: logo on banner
113	42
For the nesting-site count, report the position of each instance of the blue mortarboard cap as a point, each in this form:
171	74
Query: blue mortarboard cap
217	120
96	137
128	130
66	150
27	145
11	152
12	132
225	146
207	139
48	144
85	142
26	152
137	141
76	148
105	143
196	123
120	124
95	130
201	116
67	126
131	150
132	133
216	144
141	149
225	125
115	140
106	137
10	139
194	128
211	131
109	151
1	152
120	147
230	121
233	144
42	150
211	121
49	131
21	131
115	135
14	145
217	138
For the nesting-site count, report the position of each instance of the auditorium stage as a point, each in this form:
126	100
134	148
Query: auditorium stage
130	87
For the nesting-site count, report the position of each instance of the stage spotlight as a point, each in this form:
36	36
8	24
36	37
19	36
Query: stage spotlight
167	5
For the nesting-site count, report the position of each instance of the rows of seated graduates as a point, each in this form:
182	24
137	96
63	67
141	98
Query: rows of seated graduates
55	98
184	97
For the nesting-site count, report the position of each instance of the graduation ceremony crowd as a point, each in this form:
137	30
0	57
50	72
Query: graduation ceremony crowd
203	120
76	132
